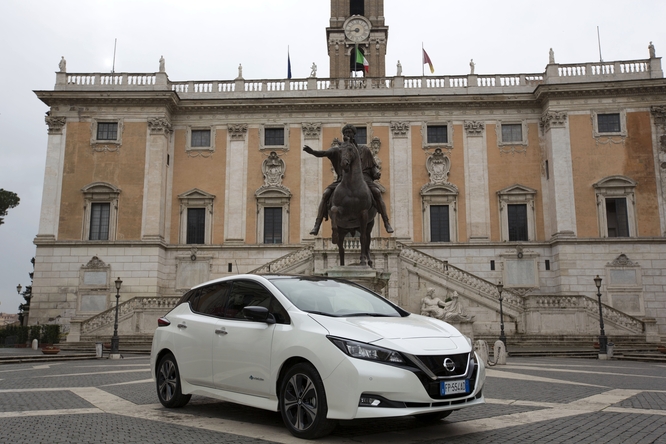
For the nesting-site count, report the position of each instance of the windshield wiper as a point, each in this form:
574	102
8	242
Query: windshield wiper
374	315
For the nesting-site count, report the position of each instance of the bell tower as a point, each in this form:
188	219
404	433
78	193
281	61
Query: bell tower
357	24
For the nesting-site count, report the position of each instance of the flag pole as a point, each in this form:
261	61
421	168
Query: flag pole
422	60
355	58
601	60
113	68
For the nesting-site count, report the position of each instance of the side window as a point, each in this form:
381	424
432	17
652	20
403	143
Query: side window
246	293
211	299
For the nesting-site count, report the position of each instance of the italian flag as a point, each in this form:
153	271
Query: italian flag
361	60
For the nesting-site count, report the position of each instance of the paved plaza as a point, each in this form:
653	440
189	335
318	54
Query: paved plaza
530	400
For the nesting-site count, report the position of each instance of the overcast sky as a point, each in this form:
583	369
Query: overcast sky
207	39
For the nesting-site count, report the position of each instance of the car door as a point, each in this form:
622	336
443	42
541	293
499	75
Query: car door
196	332
242	348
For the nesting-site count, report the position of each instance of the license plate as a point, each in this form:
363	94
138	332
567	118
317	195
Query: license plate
453	387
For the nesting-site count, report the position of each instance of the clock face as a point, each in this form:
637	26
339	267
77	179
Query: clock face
357	30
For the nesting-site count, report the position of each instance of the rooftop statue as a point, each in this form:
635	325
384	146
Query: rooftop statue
63	64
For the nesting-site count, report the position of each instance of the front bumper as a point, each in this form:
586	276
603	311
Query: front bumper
408	392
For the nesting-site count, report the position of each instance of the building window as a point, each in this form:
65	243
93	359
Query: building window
107	130
609	123
196	225
512	132
437	134
200	138
361	135
356	7
439	202
274	136
616	208
517	214
605	124
196	217
100	211
273	214
616	217
272	225
99	221
439	223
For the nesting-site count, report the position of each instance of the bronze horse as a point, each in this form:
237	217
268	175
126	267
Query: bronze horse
351	205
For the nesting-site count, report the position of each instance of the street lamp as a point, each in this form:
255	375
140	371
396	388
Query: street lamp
602	337
502	337
115	339
18	290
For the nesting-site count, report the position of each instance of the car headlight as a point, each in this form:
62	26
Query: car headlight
368	352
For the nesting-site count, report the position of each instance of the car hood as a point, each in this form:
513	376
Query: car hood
414	334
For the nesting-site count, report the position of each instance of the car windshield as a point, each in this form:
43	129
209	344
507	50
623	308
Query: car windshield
334	298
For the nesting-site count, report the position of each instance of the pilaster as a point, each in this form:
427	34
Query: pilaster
560	186
235	198
476	178
400	152
311	178
51	195
155	180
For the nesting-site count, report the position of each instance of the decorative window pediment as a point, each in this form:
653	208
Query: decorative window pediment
616	206
198	222
100	206
517	213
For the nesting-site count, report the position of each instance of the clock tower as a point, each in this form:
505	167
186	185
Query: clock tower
357	24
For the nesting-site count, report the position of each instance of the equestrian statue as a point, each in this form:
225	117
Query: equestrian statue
353	199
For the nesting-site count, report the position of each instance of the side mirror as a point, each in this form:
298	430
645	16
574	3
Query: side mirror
258	314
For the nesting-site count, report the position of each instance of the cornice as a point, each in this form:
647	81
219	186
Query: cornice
168	99
545	92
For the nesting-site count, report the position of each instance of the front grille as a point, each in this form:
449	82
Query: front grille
436	364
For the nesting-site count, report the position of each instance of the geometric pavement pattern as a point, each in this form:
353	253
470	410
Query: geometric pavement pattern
529	400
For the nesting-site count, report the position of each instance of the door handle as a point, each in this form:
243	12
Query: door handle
182	326
220	332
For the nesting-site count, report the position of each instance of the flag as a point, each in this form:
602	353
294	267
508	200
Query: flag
427	60
288	65
361	60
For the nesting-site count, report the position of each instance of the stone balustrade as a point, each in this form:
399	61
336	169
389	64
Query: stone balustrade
444	85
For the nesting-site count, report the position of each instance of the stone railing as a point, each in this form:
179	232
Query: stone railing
284	262
484	288
108	317
591	306
354	244
240	88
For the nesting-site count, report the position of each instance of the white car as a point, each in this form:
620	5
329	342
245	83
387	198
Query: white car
316	349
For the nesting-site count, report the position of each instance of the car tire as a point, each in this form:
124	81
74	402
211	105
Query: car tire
432	417
303	403
169	390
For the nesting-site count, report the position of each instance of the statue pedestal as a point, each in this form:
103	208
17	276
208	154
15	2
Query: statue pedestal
466	328
363	275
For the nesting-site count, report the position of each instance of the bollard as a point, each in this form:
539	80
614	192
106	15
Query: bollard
98	349
35	344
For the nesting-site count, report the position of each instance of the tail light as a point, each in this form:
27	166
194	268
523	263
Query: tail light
163	322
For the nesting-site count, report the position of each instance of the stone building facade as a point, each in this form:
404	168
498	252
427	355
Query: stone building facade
540	181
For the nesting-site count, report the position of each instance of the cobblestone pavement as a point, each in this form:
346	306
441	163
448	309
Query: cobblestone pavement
530	400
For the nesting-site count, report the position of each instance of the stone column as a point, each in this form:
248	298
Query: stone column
311	177
659	144
55	158
476	177
235	195
560	186
155	180
402	217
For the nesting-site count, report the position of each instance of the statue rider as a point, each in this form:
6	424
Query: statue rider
370	174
